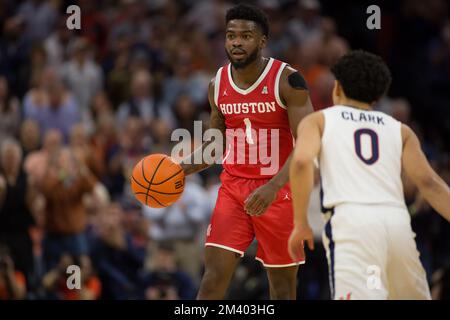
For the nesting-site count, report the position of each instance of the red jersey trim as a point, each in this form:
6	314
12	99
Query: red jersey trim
255	84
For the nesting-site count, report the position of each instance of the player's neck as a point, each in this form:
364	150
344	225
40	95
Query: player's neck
355	104
251	73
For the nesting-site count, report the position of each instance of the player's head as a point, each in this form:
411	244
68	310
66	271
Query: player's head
247	29
360	76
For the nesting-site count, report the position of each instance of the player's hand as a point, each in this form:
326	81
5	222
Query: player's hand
260	199
296	242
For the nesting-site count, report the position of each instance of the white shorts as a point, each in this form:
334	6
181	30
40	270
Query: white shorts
372	254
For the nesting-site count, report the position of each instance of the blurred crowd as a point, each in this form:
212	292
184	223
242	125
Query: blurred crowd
78	108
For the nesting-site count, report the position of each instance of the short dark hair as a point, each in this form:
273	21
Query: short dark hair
251	13
363	76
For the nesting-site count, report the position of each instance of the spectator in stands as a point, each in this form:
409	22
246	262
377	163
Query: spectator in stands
51	105
180	224
82	149
207	16
37	161
185	112
16	198
320	90
101	106
185	79
58	43
118	261
305	25
439	60
30	72
141	103
9	111
30	137
332	46
135	223
106	145
12	281
119	78
83	77
95	25
167	281
161	137
39	17
55	280
67	181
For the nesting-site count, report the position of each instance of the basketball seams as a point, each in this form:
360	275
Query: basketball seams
168	193
143	172
153	176
137	182
141	177
148	195
167	179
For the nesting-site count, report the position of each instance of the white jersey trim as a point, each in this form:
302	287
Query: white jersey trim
279	265
277	86
254	85
216	86
212	244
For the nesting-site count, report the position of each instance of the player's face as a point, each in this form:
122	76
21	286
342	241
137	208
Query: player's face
243	42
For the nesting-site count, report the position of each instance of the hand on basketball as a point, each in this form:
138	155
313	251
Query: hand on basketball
296	242
260	199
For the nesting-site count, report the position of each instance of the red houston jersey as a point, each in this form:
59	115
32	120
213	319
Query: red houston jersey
259	138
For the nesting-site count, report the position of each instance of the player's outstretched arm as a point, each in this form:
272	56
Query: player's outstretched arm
301	175
217	121
418	169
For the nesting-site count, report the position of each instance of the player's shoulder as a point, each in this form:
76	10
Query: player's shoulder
216	77
314	118
292	78
406	132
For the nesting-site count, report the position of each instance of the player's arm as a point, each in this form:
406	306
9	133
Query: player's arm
418	169
217	121
294	93
301	175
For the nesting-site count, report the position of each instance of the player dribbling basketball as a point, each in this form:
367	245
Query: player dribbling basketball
252	94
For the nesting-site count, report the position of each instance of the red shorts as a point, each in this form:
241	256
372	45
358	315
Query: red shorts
233	229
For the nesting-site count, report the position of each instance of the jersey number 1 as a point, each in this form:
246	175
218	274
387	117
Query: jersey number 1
248	131
373	142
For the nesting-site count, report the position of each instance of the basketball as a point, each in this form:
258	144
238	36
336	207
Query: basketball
157	181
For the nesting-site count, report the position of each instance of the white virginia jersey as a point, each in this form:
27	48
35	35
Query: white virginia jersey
360	158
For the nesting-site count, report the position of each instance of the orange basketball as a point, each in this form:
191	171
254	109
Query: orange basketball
157	181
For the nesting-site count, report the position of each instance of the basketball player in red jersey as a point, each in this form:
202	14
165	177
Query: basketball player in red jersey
252	94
